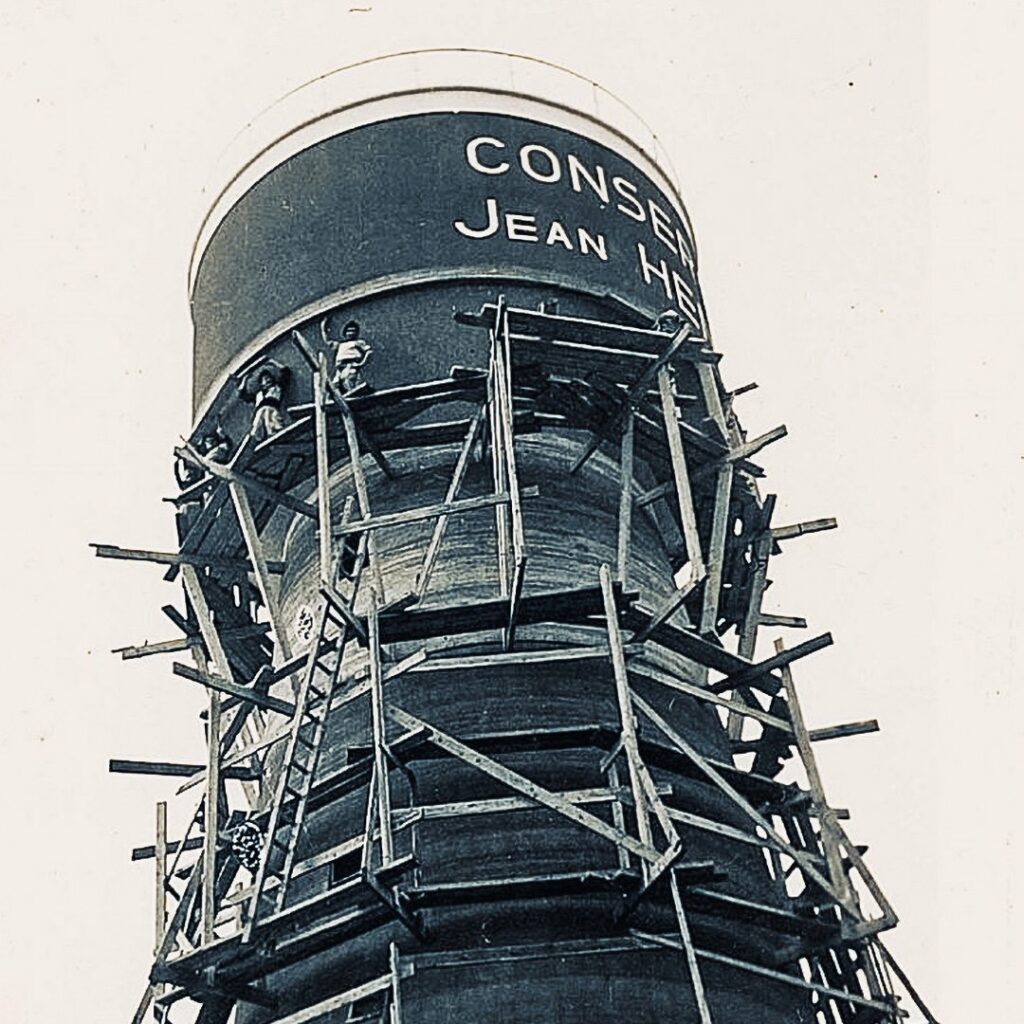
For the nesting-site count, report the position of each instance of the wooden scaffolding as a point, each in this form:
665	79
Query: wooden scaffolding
625	390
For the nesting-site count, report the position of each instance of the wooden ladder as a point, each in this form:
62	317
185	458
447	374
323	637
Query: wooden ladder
296	779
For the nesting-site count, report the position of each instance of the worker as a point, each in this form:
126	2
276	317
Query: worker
264	386
215	446
668	322
349	358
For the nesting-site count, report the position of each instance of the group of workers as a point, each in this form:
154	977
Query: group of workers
264	387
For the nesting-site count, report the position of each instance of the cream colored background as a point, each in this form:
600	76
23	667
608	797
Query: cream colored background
852	171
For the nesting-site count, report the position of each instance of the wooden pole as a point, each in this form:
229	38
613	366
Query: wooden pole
625	497
379	734
323	473
626	715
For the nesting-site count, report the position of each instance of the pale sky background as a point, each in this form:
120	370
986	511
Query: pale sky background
852	173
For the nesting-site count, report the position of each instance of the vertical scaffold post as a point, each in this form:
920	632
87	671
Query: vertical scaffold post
626	716
323	484
380	763
213	782
502	347
625	496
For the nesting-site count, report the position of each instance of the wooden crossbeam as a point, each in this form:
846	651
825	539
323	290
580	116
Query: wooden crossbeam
800	856
704	694
633	394
178	558
793	621
767	972
521	784
716	550
319	1010
414	515
799	529
680	475
754	675
188	642
244	693
753	618
529	323
173	769
247	481
627	717
441	524
834	732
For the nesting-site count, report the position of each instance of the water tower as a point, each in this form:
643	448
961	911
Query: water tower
472	548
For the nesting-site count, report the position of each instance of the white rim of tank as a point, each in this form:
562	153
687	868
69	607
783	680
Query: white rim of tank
429	81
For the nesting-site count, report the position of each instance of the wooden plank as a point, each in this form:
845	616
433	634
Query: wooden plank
633	394
744	805
669	605
268	739
173	769
323	473
213	783
415	515
834	732
792	621
767	972
704	694
222	685
625	498
829	837
596	333
716	550
699	996
379	733
627	718
905	981
498	470
747	449
394	964
160	874
211	824
188	642
254	546
178	558
347	998
761	550
458	474
681	475
247	481
474	662
521	784
752	676
799	529
500	805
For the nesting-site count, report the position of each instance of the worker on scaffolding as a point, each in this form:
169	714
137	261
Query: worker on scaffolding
350	355
669	322
264	386
214	445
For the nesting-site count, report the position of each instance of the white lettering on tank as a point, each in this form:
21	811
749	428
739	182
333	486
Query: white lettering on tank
554	171
473	158
627	190
489	229
577	171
